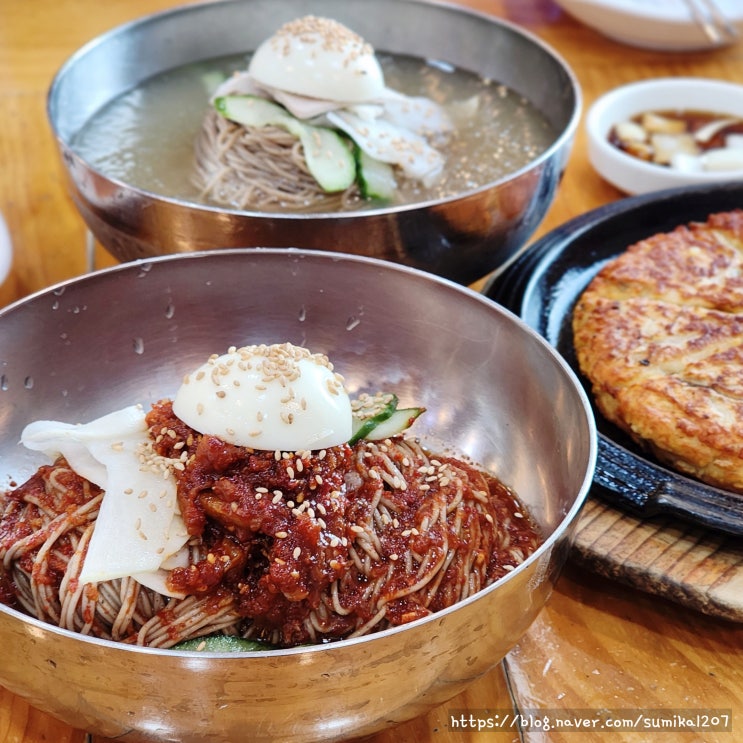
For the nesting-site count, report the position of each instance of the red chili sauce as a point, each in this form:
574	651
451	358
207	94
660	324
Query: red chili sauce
278	526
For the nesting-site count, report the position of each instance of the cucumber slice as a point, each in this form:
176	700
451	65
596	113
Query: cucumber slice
221	644
363	426
395	424
328	155
376	179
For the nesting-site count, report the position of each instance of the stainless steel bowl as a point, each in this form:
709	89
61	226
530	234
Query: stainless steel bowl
462	238
494	389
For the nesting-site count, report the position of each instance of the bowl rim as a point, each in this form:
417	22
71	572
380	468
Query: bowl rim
563	137
559	532
651	12
597	127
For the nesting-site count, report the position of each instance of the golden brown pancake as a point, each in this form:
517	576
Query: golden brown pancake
659	334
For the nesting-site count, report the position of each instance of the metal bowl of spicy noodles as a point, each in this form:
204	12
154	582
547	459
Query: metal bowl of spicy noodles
495	394
462	234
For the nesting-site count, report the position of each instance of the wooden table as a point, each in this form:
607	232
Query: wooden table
597	644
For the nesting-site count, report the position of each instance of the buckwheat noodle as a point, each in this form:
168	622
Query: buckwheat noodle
429	532
260	169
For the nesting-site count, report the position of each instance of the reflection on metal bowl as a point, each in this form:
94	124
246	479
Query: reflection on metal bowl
462	238
494	391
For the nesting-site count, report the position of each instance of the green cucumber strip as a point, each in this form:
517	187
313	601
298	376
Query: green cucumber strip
363	426
328	155
376	179
395	424
221	644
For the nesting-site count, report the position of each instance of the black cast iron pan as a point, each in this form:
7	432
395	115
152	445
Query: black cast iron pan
542	287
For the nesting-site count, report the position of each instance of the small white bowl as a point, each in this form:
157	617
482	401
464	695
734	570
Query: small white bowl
635	176
6	250
662	25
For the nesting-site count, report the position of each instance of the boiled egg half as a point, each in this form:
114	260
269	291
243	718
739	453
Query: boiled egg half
280	397
319	58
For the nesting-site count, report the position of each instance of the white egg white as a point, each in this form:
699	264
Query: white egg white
278	397
320	58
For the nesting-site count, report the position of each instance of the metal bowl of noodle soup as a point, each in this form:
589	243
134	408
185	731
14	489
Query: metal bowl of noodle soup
461	236
494	391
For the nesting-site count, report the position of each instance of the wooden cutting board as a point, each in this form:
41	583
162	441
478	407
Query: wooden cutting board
690	565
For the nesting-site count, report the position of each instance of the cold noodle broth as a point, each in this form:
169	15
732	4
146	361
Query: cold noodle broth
146	136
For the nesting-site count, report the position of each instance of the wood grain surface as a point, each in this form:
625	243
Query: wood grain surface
638	618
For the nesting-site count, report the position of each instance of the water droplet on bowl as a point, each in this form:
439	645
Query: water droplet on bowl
28	383
138	344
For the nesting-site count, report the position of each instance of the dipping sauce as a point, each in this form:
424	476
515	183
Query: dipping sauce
686	140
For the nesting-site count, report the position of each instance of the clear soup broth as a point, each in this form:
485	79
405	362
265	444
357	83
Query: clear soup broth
146	136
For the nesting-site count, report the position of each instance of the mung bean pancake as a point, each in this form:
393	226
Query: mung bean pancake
659	334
